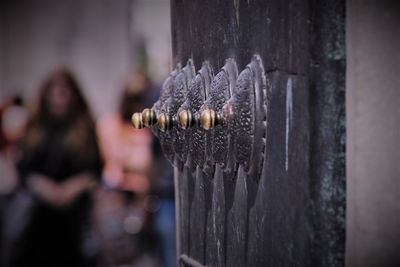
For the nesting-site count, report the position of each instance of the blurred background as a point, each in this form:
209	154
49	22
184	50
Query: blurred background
101	40
79	186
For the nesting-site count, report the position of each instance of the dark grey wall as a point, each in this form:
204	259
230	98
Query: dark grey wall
373	132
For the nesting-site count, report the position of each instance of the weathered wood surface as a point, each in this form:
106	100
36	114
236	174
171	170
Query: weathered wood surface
292	212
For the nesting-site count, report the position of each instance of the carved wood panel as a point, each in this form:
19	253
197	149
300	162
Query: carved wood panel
252	119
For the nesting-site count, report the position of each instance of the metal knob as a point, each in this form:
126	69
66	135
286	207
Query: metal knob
137	121
164	122
208	119
149	117
185	119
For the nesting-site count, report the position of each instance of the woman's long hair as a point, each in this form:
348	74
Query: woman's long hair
78	124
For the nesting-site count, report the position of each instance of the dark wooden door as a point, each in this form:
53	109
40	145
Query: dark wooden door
253	120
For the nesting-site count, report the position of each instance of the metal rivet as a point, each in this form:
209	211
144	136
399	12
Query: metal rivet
137	120
149	117
185	119
208	119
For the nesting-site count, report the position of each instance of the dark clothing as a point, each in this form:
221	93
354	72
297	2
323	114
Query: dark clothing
163	181
54	157
54	235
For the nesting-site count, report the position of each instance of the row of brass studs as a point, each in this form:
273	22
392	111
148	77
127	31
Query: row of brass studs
148	118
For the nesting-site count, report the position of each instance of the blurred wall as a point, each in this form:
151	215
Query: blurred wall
101	40
90	36
151	28
373	127
1	49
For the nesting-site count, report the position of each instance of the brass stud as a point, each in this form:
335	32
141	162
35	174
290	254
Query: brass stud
164	122
185	119
208	119
149	117
137	121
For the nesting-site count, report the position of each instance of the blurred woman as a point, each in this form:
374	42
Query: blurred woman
60	166
127	165
13	119
127	152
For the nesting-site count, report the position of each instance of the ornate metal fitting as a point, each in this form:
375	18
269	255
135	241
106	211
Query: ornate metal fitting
217	119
